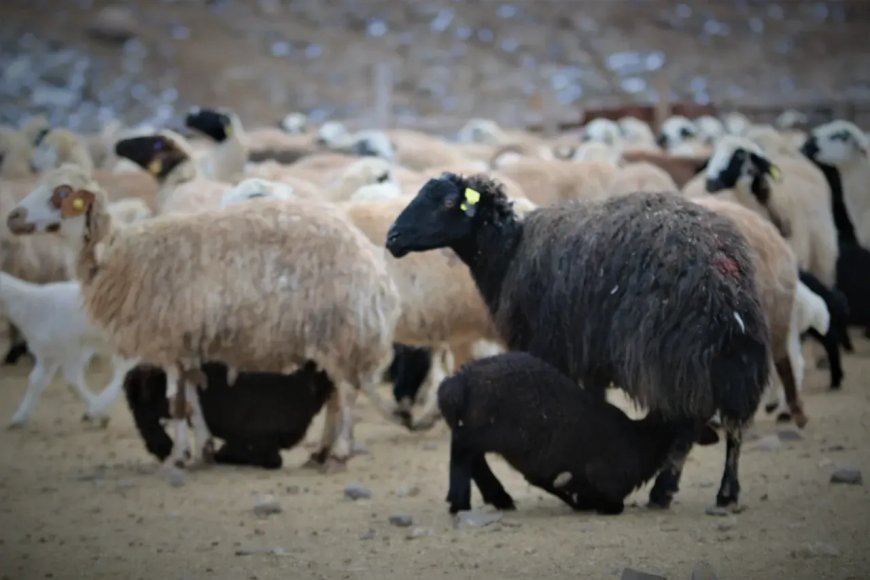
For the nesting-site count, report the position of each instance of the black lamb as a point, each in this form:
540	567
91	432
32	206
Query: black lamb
562	438
258	416
838	332
407	372
651	292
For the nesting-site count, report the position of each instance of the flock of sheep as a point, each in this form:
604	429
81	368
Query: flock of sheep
241	281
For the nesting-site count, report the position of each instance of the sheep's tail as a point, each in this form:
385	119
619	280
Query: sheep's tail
451	400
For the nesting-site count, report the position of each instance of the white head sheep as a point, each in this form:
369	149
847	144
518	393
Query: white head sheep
602	131
710	129
637	133
677	130
295	123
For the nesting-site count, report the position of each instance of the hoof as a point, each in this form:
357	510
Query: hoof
424	424
659	500
800	419
770	408
403	416
208	452
15	424
334	465
98	421
316	459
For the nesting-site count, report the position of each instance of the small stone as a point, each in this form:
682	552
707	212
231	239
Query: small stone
175	477
763	497
370	534
727	524
703	571
267	505
631	574
476	519
847	475
115	24
401	520
418	532
723	511
407	490
836	448
706	484
768	443
357	491
254	550
292	489
790	435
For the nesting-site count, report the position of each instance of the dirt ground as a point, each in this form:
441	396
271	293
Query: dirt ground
84	503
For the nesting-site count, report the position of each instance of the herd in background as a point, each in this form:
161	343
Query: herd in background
238	281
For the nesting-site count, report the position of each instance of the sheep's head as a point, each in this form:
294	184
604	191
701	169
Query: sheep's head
710	129
481	131
737	161
836	143
216	124
676	130
373	144
332	134
59	204
295	123
446	212
158	154
636	131
601	131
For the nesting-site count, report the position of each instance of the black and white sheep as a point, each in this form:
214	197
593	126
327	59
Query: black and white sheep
561	437
838	333
258	416
648	291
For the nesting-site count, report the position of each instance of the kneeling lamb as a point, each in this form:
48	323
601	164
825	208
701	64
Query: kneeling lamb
561	437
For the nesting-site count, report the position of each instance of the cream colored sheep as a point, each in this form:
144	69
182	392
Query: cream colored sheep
637	135
681	168
15	153
844	146
550	182
60	146
642	176
794	196
265	287
602	131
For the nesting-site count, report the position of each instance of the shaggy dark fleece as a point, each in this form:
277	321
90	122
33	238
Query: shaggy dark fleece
258	416
649	291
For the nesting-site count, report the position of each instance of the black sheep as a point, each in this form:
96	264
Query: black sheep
838	333
562	438
649	291
407	372
258	416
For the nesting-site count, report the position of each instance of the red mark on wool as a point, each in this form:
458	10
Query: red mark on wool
728	265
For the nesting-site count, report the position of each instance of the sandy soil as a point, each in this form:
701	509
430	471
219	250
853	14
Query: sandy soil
82	503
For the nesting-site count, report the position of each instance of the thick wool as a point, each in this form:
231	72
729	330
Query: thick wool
549	182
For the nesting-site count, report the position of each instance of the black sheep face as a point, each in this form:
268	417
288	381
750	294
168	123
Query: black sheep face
735	162
836	143
157	154
215	124
440	216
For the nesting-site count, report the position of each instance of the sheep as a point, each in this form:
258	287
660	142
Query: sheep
255	187
329	296
791	119
777	273
15	153
168	157
58	333
127	211
408	373
227	160
798	201
484	131
637	134
551	182
832	334
295	123
592	151
275	144
679	136
641	176
853	281
60	146
561	437
258	416
666	308
736	123
682	169
602	131
771	141
710	129
842	146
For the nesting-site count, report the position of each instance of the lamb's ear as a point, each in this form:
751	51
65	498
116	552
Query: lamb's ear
765	166
76	203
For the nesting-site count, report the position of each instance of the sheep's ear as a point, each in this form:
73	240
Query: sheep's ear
469	203
76	203
767	167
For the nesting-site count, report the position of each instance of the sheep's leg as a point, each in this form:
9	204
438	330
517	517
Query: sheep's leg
789	384
100	405
461	473
175	384
40	376
343	445
442	365
729	491
832	348
74	375
15	352
667	483
201	433
330	426
490	487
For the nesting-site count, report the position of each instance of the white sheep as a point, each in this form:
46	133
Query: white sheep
844	146
791	193
51	318
710	129
676	133
637	134
265	287
226	160
602	131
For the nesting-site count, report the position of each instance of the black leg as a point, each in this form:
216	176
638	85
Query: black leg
844	338
667	483
490	487
831	344
789	385
17	351
729	491
461	470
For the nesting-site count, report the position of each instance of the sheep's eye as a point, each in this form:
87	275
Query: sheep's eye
63	191
449	203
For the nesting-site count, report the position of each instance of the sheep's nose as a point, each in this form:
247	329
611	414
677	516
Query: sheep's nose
17	222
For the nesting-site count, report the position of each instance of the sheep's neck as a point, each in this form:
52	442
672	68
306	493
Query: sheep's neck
185	171
842	220
98	228
229	158
488	254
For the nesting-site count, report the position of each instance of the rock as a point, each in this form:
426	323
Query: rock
703	571
292	489
847	475
476	519
418	532
357	491
407	490
632	574
789	435
254	550
727	524
175	476
401	520
768	443
367	535
114	24
267	505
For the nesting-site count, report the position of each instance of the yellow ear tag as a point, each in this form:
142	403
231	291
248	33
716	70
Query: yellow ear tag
155	167
228	131
471	196
78	204
775	173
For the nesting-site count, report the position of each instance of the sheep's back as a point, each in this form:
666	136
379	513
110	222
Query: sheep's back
645	291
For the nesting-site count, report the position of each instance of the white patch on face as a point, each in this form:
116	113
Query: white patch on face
257	188
378	143
332	132
678	129
636	131
295	123
834	149
725	150
710	128
602	131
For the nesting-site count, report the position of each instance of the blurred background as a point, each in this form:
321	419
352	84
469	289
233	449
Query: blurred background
429	65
